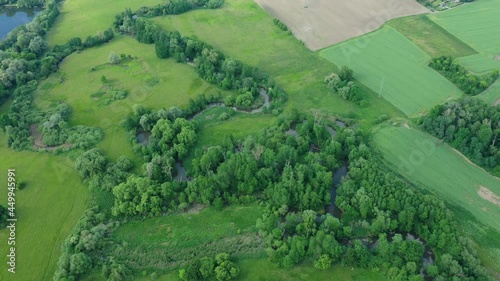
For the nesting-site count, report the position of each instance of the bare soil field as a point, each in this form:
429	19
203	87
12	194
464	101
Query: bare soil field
321	23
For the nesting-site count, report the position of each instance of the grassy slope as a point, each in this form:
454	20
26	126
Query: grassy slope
430	37
434	166
389	63
242	30
492	94
176	84
47	210
81	18
476	24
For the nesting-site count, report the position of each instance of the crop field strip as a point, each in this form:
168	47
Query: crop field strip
390	64
477	25
431	37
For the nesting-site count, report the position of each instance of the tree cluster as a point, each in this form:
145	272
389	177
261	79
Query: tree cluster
342	84
81	248
469	125
461	77
209	269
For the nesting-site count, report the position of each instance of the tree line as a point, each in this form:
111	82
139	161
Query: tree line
467	82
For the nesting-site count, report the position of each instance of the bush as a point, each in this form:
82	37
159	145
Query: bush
214	4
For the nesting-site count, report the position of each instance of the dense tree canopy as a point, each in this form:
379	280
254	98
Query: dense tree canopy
469	125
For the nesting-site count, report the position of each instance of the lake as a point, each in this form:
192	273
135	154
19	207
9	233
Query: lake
11	17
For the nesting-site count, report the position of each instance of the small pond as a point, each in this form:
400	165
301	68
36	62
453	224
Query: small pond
12	17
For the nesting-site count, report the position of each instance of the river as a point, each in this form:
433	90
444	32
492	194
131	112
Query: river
12	17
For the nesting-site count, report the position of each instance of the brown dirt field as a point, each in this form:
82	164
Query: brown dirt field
487	194
321	23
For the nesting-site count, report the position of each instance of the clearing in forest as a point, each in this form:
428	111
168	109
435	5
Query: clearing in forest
477	24
321	23
395	68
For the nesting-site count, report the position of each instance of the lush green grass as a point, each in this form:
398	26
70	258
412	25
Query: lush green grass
476	24
430	37
492	94
393	66
167	242
151	82
242	30
183	230
434	166
47	210
81	18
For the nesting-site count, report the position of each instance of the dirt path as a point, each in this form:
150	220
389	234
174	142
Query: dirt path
321	23
487	194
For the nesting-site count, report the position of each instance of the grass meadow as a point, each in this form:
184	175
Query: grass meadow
437	168
431	37
81	18
477	25
391	65
47	210
242	30
151	82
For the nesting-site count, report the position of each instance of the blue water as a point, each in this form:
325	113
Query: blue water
11	17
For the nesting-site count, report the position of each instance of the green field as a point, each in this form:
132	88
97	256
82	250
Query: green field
47	210
492	94
164	243
437	168
391	65
477	25
150	82
430	37
242	30
81	18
